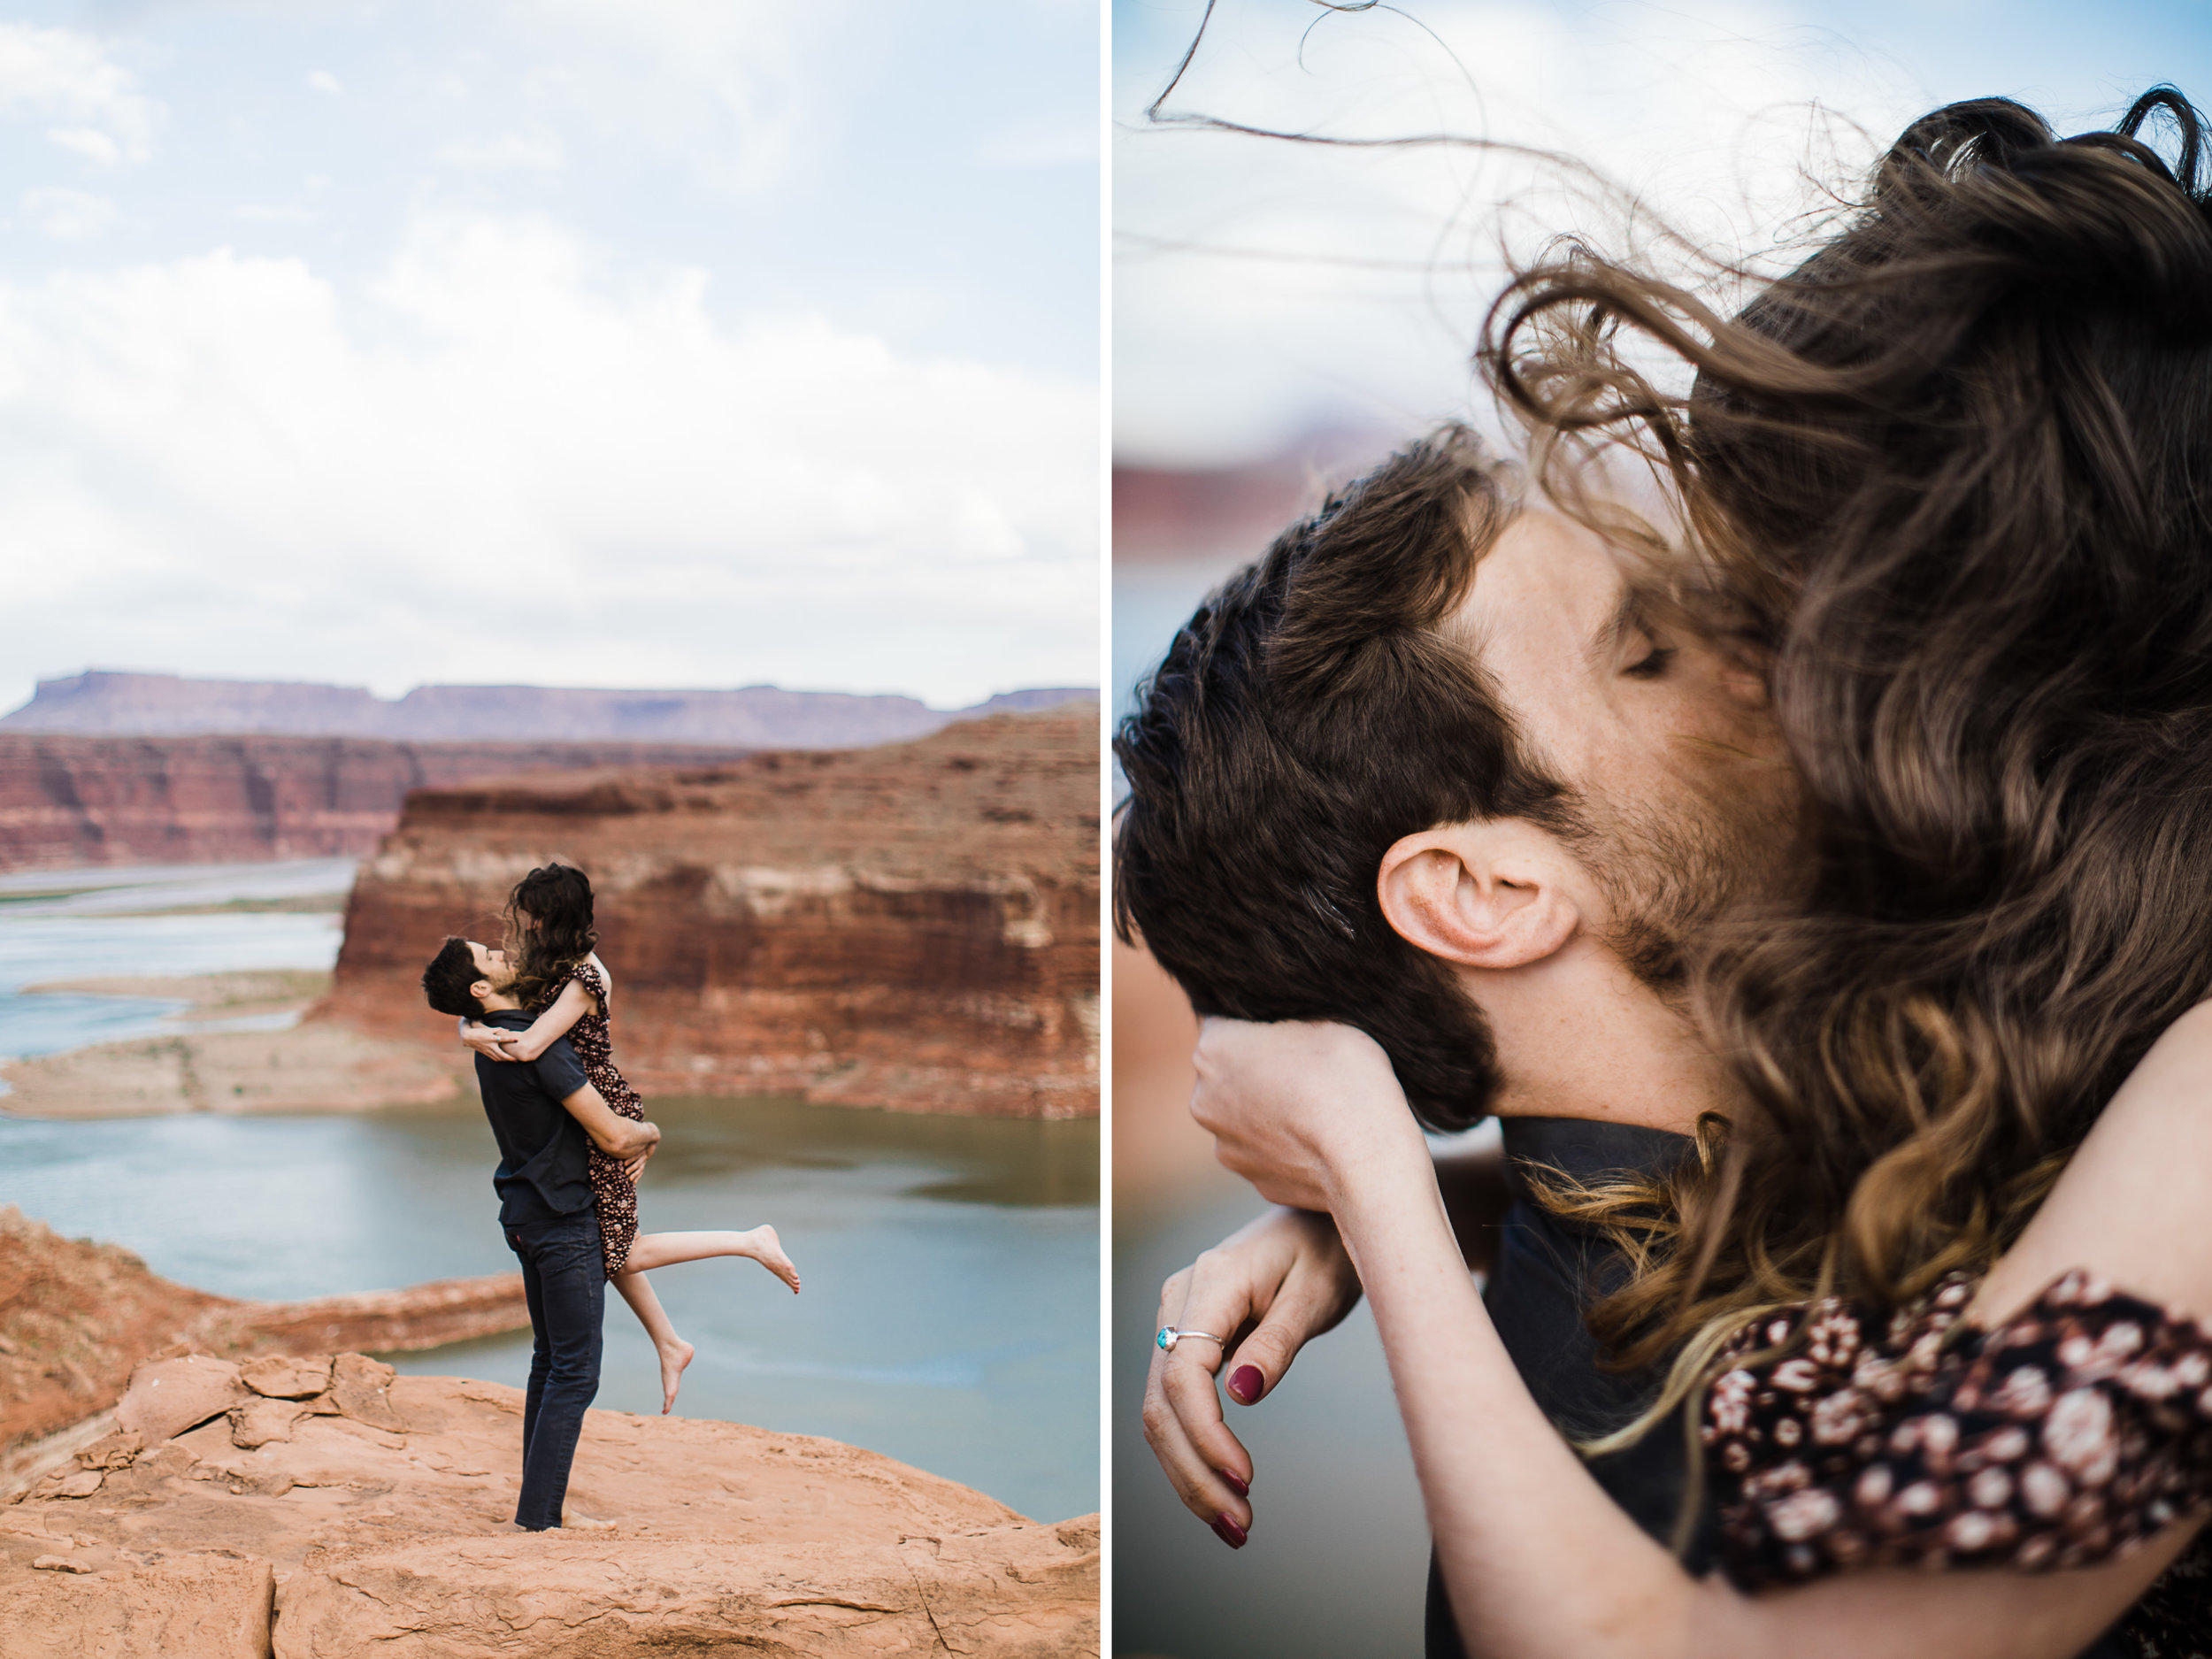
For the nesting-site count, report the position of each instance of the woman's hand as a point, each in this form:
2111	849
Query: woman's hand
488	1041
1300	1108
1285	1276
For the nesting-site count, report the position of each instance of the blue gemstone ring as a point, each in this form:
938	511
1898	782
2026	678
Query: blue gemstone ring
1169	1336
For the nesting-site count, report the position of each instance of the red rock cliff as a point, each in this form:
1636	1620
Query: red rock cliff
67	800
913	926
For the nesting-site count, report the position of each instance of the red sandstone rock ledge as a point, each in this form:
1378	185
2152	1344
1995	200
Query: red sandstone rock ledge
310	1505
912	926
319	1508
77	1317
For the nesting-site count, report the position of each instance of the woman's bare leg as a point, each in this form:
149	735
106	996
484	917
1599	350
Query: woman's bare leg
674	1352
662	1249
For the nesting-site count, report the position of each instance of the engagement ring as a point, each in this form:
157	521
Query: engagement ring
1169	1336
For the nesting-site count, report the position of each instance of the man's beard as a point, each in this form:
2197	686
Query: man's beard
1723	847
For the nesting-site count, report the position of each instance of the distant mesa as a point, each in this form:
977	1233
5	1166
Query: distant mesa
102	703
129	769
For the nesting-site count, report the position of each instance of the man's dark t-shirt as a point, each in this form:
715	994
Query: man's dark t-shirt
544	1154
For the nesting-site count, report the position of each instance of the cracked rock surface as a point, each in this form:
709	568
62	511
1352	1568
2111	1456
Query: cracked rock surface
369	1517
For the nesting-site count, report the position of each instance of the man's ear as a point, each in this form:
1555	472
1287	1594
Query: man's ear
479	989
1493	894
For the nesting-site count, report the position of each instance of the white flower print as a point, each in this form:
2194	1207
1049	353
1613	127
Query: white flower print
1991	1489
1833	1338
1729	1407
1938	1433
2043	1489
1802	1515
1970	1530
2025	1393
1839	1417
1798	1376
2078	1435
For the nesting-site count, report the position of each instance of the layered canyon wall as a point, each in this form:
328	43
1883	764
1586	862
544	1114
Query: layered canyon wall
913	926
69	801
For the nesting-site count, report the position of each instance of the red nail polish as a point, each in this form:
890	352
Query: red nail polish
1235	1485
1228	1531
1245	1384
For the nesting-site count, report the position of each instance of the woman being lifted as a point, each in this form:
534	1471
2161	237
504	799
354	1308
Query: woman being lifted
561	980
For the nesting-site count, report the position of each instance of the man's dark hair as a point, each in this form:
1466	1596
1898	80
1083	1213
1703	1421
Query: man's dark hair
447	979
1310	715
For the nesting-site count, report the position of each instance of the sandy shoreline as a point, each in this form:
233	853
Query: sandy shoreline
311	1067
211	995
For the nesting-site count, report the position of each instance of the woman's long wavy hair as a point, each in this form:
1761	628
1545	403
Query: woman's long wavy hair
557	898
1958	467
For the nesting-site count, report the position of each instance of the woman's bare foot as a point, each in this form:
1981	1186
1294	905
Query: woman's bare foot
765	1248
674	1357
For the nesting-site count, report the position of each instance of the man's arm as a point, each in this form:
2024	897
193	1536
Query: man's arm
610	1132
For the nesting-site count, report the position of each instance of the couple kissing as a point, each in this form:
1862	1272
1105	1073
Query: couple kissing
573	1138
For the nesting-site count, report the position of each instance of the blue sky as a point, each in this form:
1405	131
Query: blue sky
590	342
1265	292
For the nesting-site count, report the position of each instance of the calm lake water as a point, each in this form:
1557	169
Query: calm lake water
77	924
950	1317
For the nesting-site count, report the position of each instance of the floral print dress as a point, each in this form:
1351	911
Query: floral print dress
2069	1434
612	1189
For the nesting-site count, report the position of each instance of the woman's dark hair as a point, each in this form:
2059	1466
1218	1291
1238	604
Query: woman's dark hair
447	979
1959	466
556	897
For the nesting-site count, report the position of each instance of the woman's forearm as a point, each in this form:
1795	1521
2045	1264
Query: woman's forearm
1541	1564
549	1027
1539	1561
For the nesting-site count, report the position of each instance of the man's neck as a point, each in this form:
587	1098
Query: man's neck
497	1005
1578	1036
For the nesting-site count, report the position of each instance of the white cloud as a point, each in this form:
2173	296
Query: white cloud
323	81
1264	286
88	141
68	215
1062	142
62	76
734	90
513	458
510	152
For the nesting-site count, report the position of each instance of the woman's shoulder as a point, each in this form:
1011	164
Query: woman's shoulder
591	976
2128	1206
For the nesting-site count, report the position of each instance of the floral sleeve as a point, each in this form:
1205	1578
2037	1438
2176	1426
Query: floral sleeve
588	976
2068	1435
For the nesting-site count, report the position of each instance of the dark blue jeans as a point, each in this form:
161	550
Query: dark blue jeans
564	1276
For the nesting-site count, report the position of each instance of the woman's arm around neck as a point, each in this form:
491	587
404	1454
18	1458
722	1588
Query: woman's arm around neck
570	1006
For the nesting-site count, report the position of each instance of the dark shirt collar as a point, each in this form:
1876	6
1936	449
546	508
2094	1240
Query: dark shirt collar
1589	1152
509	1019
